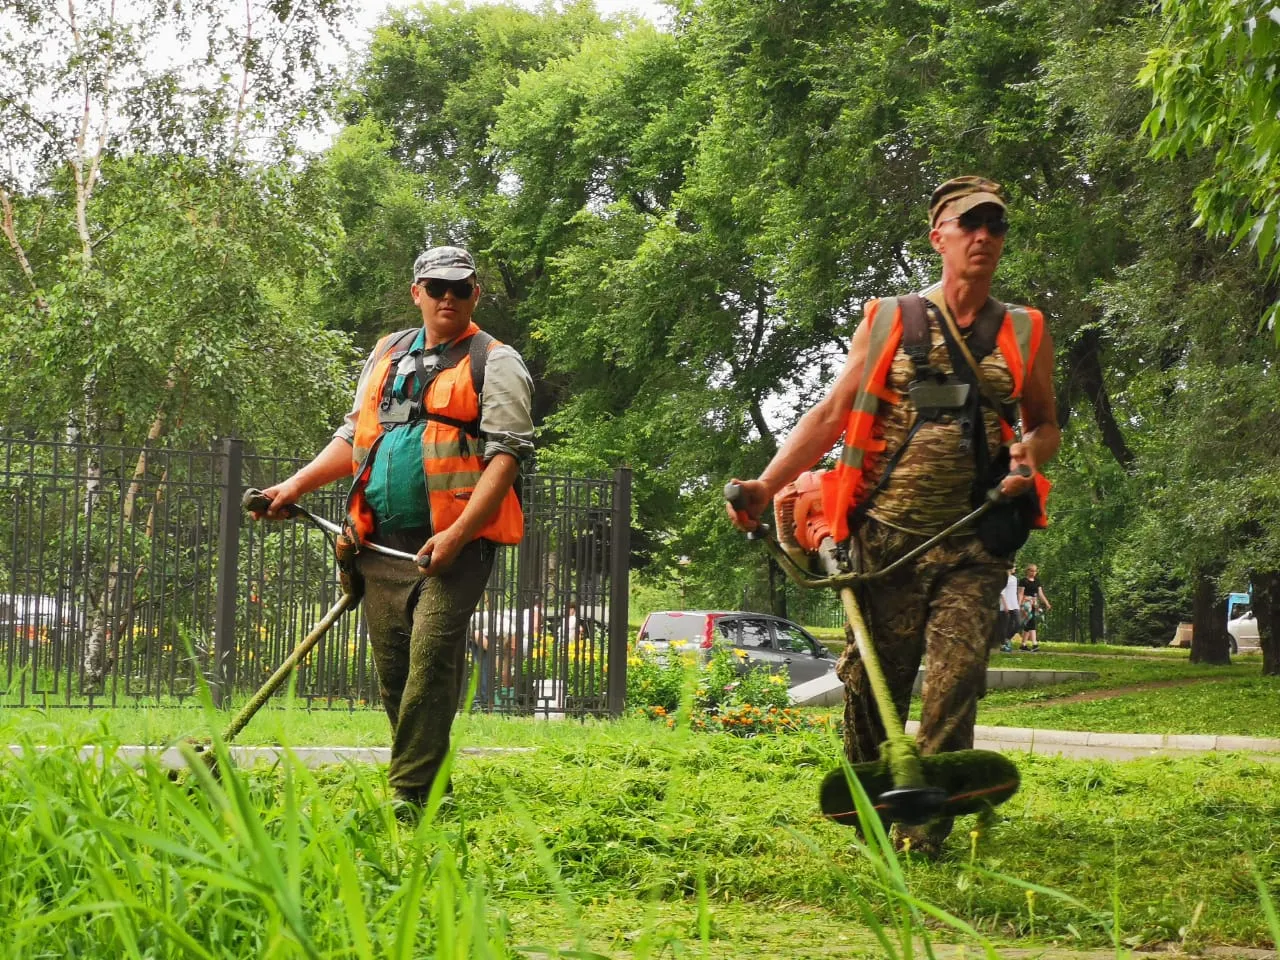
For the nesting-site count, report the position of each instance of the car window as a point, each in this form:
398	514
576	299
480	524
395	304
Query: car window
728	629
792	639
753	633
674	626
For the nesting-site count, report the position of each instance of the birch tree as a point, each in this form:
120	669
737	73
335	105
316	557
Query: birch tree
160	233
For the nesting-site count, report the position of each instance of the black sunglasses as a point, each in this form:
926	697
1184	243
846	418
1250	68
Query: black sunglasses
436	288
971	220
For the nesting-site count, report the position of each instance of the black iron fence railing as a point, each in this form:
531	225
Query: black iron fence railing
131	576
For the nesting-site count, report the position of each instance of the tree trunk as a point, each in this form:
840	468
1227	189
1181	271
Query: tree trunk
777	591
1266	607
1209	640
1097	611
95	661
1084	374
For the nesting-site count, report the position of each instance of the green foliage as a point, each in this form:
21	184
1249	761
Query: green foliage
1215	84
606	827
654	682
719	680
164	251
1150	599
725	696
723	685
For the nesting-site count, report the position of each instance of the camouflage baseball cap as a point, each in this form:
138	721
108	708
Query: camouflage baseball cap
447	263
964	193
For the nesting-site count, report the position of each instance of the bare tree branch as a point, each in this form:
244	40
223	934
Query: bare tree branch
11	234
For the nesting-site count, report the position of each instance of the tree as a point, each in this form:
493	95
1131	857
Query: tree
1215	85
162	244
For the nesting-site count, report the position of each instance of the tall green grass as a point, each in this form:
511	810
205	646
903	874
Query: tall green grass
600	842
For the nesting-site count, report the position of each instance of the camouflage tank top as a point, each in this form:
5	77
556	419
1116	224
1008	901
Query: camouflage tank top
930	486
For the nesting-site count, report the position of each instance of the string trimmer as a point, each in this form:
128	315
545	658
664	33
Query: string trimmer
903	785
255	501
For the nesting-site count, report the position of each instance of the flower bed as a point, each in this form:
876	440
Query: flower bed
723	696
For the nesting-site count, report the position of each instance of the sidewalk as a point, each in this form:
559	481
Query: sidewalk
1065	743
1112	746
172	759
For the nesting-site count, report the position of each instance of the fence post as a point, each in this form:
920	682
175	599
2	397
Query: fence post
224	611
619	594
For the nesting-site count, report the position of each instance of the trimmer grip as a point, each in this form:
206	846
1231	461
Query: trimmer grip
1022	470
255	501
733	496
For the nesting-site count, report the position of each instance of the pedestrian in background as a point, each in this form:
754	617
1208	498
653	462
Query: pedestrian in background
1010	615
1033	602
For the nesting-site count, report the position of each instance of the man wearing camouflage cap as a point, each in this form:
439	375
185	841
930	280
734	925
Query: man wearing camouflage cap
434	441
917	459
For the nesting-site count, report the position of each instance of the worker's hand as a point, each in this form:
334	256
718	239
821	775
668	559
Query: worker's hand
1013	485
438	553
754	499
281	495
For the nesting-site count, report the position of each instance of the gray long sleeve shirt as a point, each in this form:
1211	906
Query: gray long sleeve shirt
506	405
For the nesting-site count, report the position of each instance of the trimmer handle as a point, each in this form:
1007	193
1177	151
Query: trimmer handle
1022	470
733	496
255	501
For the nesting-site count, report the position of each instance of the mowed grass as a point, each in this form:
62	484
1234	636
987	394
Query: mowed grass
607	838
1134	694
1135	690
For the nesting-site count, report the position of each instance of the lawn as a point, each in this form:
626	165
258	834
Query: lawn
1140	695
1137	690
631	839
602	838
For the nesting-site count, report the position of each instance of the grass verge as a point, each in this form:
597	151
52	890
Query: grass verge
620	839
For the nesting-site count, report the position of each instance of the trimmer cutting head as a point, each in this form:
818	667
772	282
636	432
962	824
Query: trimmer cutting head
957	783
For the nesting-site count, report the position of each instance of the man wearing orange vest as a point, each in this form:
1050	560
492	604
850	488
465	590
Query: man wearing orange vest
434	441
928	403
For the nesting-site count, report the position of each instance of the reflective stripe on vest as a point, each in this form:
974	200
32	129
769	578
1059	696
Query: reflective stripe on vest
451	461
842	488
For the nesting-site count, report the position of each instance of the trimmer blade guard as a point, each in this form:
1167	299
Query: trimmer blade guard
958	783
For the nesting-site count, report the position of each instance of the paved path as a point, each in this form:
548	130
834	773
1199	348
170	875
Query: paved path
1067	743
1112	746
172	758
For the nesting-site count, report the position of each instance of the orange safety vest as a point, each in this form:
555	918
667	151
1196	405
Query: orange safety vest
451	460
842	488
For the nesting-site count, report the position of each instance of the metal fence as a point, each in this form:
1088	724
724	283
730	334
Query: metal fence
128	577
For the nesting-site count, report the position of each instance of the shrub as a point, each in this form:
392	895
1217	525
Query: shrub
652	682
724	697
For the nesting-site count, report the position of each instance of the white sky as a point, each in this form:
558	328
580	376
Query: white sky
369	10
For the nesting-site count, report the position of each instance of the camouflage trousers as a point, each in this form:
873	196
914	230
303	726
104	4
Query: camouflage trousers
418	632
941	606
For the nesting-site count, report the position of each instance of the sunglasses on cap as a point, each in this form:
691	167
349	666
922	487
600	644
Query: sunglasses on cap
971	220
436	287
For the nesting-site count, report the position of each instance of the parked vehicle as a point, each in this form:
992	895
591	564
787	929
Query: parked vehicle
1242	625
33	618
770	643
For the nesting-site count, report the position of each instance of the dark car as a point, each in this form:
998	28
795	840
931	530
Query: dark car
770	642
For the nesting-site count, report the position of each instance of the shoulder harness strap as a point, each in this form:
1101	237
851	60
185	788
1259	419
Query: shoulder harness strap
915	329
477	349
481	343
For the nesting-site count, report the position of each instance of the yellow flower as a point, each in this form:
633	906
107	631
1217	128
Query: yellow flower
740	654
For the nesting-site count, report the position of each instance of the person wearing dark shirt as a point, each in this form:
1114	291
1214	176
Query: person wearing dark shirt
1033	602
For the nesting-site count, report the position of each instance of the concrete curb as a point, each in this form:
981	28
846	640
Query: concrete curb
1172	953
1111	746
172	759
1063	743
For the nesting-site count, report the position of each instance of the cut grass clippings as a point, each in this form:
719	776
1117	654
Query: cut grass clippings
601	840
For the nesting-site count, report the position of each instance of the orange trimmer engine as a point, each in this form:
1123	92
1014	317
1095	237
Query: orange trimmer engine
802	523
